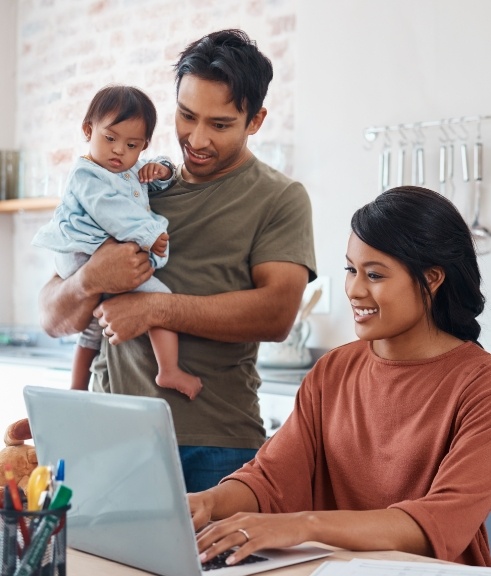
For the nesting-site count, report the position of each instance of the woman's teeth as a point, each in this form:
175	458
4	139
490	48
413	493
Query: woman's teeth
365	311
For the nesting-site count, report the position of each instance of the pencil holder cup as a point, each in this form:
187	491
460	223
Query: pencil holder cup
33	543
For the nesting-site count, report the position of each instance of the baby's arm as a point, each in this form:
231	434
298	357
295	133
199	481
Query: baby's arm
123	217
160	245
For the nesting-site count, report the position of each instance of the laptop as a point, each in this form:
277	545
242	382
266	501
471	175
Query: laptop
129	499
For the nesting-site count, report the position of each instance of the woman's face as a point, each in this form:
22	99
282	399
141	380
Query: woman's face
386	301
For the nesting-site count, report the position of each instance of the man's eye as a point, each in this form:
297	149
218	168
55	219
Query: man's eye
220	126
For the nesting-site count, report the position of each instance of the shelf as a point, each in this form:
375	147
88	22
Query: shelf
22	204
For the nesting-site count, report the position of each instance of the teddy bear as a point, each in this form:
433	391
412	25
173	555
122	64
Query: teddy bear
22	457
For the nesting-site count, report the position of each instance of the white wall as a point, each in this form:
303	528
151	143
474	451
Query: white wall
382	62
8	22
357	64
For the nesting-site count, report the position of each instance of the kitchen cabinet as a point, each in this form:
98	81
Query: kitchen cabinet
21	204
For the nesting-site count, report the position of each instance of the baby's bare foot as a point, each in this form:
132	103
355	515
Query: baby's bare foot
180	381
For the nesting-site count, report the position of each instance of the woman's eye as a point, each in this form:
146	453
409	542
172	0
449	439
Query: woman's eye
350	269
374	276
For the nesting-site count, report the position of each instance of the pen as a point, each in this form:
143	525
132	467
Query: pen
60	471
34	554
14	493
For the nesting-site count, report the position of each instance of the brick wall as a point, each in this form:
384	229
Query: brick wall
68	49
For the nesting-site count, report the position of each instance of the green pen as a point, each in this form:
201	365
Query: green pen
35	551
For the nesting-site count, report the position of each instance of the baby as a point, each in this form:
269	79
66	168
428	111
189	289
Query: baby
107	196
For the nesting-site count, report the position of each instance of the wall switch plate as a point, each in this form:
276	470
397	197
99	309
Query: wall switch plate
324	304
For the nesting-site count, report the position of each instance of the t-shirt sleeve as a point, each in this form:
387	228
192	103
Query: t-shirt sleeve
287	233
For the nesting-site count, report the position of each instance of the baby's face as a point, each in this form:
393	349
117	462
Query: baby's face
116	148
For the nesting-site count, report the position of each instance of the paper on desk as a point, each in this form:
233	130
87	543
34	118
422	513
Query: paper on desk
359	567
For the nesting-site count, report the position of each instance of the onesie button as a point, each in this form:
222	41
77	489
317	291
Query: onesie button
126	176
136	193
146	248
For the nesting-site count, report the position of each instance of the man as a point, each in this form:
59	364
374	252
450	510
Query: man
240	258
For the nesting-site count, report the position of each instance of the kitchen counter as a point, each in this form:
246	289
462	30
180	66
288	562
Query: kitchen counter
32	357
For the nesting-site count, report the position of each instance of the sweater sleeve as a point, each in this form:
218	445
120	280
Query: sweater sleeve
282	472
459	498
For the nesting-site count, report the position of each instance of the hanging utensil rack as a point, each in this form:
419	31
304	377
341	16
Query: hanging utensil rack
372	132
451	137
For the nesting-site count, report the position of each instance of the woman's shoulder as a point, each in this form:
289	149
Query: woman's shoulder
358	349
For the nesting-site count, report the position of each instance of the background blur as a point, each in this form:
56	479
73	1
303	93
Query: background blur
340	67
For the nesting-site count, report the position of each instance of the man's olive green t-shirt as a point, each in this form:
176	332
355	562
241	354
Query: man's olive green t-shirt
218	231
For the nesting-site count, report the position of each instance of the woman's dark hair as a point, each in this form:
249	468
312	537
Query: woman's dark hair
421	228
229	56
124	103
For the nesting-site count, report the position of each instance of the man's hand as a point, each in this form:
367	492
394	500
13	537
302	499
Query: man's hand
116	267
153	171
126	316
159	247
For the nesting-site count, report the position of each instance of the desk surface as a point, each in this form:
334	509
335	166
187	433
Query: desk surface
81	564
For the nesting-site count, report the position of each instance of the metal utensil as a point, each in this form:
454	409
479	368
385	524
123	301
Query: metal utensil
481	234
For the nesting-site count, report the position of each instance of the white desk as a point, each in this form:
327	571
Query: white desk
81	564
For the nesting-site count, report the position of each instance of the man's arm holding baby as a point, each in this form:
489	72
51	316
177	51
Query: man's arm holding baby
266	312
67	305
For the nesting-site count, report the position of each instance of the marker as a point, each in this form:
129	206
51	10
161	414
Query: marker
60	471
14	493
34	554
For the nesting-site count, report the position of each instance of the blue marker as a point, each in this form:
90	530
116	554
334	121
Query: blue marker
60	471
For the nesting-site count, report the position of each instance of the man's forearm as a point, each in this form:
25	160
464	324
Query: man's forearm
265	312
65	307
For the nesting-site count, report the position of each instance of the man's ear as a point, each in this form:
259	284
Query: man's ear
435	277
256	121
87	130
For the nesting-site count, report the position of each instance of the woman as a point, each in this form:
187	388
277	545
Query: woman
389	443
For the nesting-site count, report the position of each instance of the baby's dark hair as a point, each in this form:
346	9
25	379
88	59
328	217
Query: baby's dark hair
422	228
123	103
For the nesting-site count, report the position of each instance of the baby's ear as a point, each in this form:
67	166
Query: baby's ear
146	145
87	130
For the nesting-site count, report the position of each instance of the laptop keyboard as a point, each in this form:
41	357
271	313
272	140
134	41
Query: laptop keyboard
219	561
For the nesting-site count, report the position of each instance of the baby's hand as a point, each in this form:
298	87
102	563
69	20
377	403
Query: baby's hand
160	245
154	171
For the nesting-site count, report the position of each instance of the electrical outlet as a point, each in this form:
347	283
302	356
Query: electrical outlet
323	306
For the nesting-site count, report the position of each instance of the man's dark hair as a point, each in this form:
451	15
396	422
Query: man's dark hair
231	57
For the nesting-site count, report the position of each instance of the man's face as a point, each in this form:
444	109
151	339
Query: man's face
211	131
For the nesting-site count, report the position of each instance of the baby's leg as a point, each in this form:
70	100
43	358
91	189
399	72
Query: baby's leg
165	347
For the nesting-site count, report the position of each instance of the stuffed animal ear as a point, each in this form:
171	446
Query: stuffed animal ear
17	432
